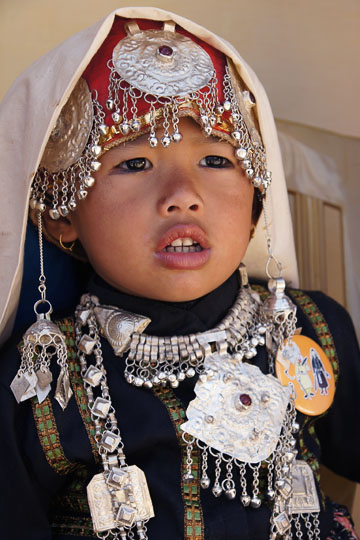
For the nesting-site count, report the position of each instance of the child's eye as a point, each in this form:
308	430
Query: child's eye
134	165
215	162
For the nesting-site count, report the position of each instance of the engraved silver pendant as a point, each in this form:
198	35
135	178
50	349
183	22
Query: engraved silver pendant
119	498
162	63
118	326
71	132
238	410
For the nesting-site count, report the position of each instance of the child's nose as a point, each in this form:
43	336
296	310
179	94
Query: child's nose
180	195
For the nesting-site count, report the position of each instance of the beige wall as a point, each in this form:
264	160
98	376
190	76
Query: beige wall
305	52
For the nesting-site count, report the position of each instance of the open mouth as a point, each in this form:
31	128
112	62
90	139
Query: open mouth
183	245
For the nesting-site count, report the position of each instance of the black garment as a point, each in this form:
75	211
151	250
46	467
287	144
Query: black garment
30	485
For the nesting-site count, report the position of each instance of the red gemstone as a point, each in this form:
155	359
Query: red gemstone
245	400
165	50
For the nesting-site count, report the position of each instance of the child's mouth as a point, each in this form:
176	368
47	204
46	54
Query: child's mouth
183	245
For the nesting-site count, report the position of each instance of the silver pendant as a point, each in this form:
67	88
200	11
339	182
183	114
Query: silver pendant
304	499
71	132
238	410
119	498
163	63
63	390
118	326
23	386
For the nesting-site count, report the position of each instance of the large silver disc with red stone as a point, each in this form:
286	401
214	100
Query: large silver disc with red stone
238	410
162	63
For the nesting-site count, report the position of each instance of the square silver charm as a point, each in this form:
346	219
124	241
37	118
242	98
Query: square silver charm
93	376
282	523
101	407
110	441
304	498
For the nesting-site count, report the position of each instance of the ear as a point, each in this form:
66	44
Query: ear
62	226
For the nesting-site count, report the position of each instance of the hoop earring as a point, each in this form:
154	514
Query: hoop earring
67	248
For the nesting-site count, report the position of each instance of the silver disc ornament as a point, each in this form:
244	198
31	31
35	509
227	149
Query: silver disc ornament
71	132
163	63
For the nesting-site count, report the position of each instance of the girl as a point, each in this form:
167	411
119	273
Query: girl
160	406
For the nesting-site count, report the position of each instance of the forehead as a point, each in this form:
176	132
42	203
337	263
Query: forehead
193	138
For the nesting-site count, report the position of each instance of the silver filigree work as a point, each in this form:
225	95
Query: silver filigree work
248	433
132	496
138	60
68	139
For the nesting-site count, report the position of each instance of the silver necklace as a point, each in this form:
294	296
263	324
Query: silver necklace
241	417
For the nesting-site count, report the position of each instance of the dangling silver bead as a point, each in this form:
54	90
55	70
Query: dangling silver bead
89	181
219	109
270	494
124	128
250	172
188	477
110	104
217	490
72	205
104	129
208	131
241	153
227	105
82	194
95	165
235	116
205	482
54	213
130	378
212	120
177	137
236	135
204	120
153	142
148	384
135	125
255	502
230	493
165	141
256	182
138	381
285	470
116	117
295	428
96	150
245	500
41	207
63	210
190	373
246	164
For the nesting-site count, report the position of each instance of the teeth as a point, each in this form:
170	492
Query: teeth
183	249
183	242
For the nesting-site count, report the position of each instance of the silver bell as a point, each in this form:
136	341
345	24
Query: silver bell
205	482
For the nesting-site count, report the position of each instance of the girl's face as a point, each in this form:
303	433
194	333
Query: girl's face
166	223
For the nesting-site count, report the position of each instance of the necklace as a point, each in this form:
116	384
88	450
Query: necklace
242	418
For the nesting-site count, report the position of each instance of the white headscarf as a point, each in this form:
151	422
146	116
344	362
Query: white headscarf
29	112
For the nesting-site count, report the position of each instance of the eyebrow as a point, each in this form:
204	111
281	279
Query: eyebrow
199	138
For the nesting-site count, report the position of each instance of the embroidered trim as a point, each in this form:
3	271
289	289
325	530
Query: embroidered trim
70	514
193	518
49	436
67	327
